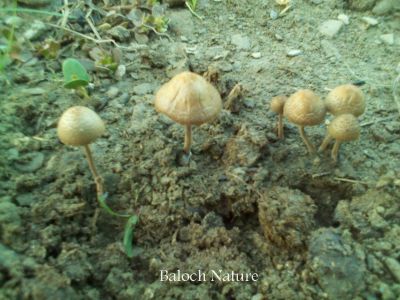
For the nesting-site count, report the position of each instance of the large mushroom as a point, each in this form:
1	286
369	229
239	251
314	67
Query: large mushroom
81	126
188	99
305	108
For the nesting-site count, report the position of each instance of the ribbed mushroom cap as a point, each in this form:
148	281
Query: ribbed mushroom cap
345	99
304	108
344	128
79	126
188	99
277	104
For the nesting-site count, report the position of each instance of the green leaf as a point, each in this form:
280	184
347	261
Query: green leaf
128	235
75	74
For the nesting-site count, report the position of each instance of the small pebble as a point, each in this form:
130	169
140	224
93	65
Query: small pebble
294	52
34	91
112	92
344	18
370	21
394	267
241	42
120	72
256	55
273	14
330	27
387	38
36	29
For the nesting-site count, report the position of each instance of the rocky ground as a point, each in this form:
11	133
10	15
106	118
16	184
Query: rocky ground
247	202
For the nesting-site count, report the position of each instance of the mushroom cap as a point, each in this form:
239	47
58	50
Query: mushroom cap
344	128
188	99
79	126
304	108
345	99
277	104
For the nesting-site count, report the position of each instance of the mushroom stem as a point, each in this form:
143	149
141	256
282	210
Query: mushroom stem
280	126
325	142
98	180
335	150
188	139
310	147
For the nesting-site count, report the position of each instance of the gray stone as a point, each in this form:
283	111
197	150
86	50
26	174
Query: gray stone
119	33
241	42
35	30
385	7
143	89
330	27
387	38
361	4
294	52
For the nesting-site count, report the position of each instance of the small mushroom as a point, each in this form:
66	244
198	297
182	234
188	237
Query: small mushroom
345	99
277	104
343	128
80	126
188	99
305	108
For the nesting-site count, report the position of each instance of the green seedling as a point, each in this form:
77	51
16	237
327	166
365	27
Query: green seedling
192	5
80	126
129	226
157	23
75	76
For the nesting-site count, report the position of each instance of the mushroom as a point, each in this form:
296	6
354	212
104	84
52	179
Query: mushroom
80	126
305	108
277	104
345	99
343	128
188	99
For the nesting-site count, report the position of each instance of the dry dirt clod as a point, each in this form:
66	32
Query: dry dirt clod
286	217
232	102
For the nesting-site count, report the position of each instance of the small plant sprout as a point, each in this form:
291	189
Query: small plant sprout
343	128
305	108
80	126
188	99
191	5
345	99
277	105
75	76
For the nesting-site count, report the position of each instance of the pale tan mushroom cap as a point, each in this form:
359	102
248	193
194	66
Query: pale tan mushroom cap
345	99
277	104
188	99
304	108
344	128
79	126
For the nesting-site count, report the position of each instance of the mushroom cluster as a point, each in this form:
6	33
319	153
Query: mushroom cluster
346	103
305	108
